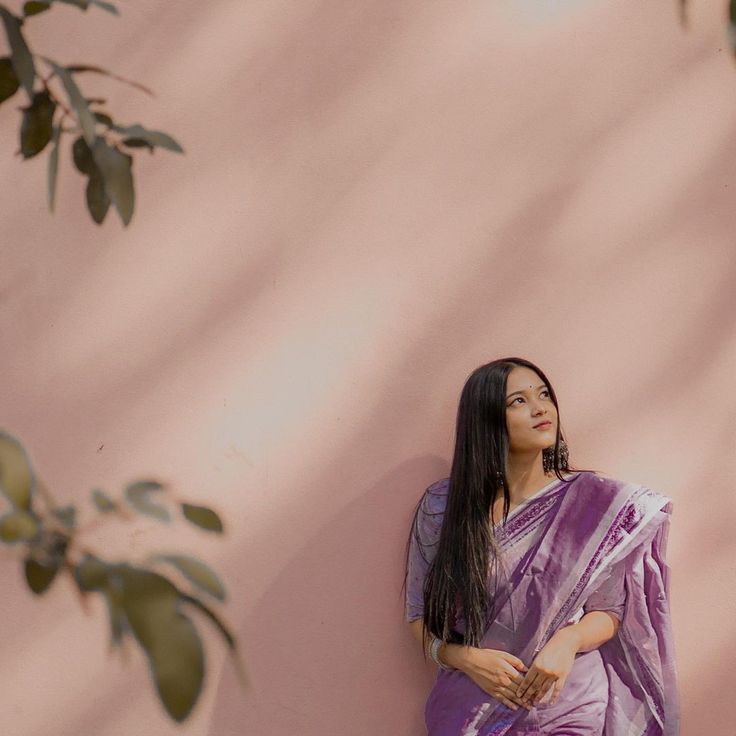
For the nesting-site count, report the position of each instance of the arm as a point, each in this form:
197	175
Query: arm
593	629
453	655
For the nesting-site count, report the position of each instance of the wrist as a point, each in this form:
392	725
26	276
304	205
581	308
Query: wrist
454	655
570	635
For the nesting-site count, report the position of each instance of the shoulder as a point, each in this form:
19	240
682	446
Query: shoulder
431	509
434	498
596	485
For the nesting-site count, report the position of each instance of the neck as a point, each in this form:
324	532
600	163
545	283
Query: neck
526	475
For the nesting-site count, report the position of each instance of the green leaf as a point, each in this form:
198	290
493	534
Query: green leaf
103	502
137	143
39	577
82	156
114	599
53	168
75	68
97	200
153	137
78	102
34	7
18	526
203	517
174	649
8	80
109	7
67	516
116	168
16	476
20	54
81	4
138	496
197	573
104	118
92	573
226	635
37	126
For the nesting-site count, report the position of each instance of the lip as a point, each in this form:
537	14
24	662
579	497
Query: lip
543	425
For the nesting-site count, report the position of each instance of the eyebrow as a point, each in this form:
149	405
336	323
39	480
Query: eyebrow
544	385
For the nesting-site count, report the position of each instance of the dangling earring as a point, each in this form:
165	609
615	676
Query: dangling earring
499	477
548	457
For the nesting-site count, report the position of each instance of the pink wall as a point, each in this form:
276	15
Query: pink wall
376	197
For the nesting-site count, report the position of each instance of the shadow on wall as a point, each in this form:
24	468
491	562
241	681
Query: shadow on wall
349	655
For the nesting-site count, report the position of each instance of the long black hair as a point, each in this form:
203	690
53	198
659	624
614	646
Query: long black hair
459	571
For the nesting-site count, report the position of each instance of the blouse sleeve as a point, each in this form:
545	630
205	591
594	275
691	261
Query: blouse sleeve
424	536
611	593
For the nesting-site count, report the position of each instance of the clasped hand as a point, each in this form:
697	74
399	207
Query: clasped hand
499	673
549	669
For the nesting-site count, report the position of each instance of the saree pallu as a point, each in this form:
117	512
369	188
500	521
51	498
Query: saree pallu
586	543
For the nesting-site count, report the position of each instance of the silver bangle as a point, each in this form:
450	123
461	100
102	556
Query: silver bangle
434	649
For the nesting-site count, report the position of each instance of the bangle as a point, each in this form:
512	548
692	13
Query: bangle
434	649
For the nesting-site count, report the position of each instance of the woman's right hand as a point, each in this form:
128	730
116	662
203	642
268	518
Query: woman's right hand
497	672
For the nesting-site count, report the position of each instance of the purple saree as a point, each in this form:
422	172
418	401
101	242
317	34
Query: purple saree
593	543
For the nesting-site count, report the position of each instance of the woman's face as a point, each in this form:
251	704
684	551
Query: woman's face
528	402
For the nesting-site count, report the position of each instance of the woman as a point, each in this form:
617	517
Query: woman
541	591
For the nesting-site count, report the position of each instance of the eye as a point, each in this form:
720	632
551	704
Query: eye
546	392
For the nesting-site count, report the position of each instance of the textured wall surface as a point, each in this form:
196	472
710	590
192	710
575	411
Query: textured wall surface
376	197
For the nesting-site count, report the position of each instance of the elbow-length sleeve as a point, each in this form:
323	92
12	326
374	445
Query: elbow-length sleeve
424	537
610	595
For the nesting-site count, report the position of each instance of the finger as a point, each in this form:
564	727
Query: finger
543	688
531	677
514	676
515	662
535	688
556	688
508	703
511	695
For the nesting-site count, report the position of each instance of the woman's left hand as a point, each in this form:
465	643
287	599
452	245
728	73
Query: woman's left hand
550	668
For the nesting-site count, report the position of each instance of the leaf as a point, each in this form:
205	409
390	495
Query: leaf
114	599
103	118
109	7
75	68
92	573
103	502
97	199
8	80
137	495
39	577
116	168
16	476
203	517
20	54
78	102
18	526
154	137
67	516
226	635
168	637
81	4
34	7
197	573
36	128
53	168
137	143
82	156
